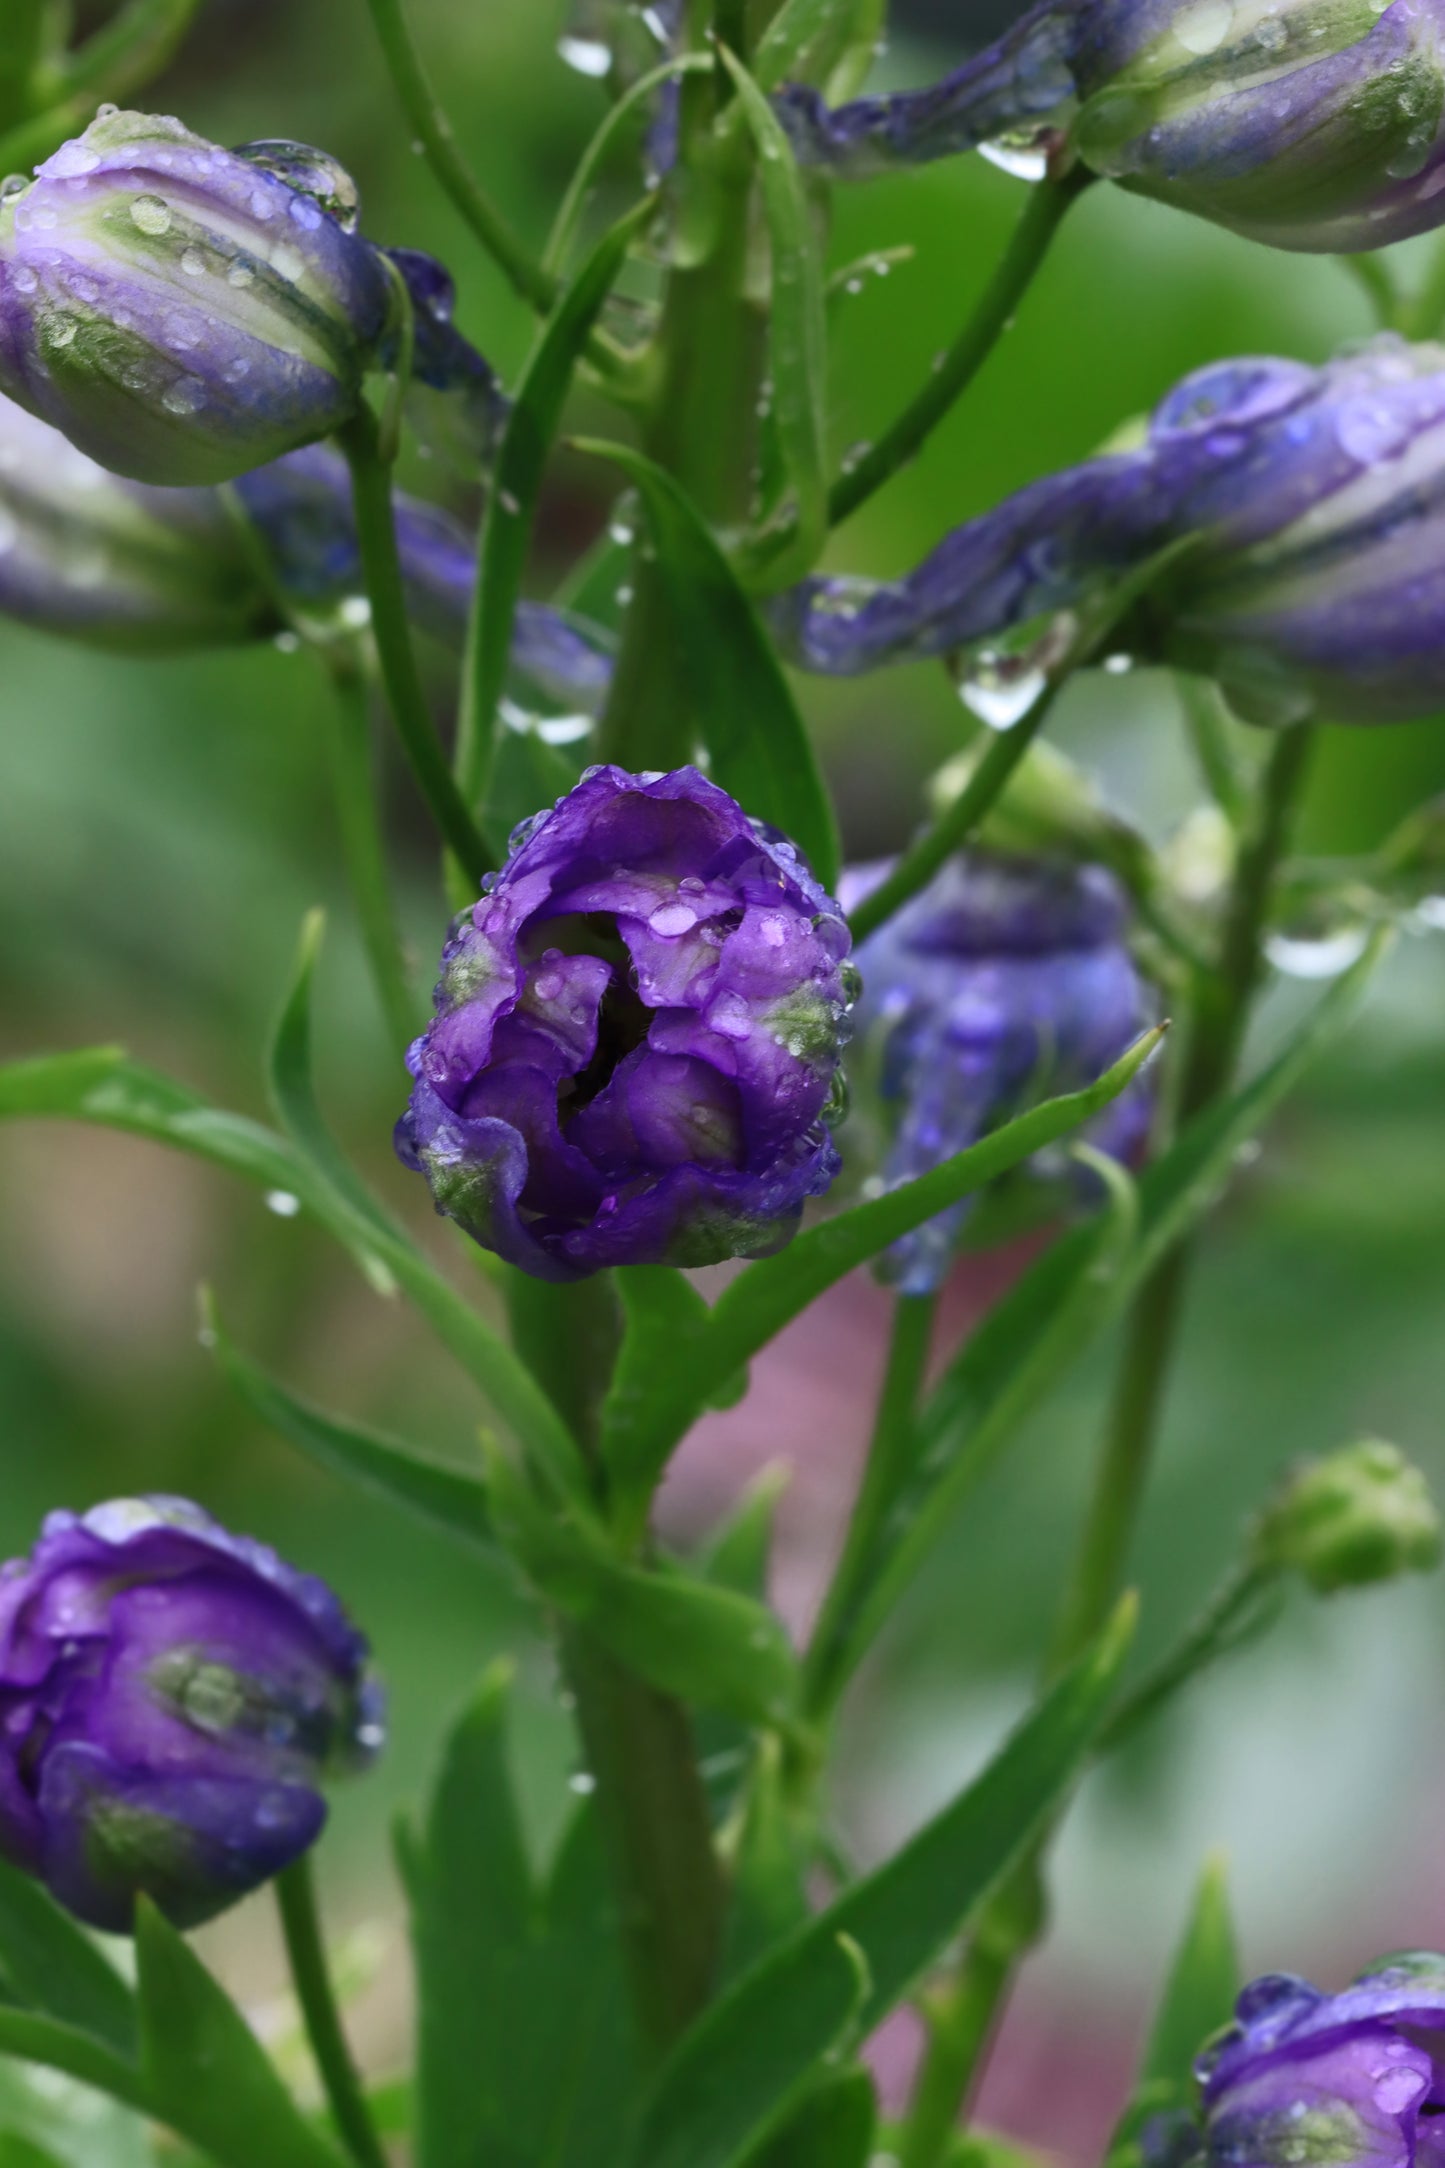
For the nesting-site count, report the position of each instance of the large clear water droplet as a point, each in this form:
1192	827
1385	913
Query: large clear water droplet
1000	689
589	56
310	174
1317	956
1024	155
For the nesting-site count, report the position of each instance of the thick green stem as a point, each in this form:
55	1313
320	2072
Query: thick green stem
1224	997
638	1743
301	1925
643	1761
348	745
824	1675
956	368
406	695
433	131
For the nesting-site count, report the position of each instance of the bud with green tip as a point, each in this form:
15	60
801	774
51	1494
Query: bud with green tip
184	313
1361	1515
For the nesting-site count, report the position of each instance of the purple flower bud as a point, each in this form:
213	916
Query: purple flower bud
1303	123
1318	580
184	313
114	563
1006	981
635	1053
301	508
170	1697
1334	2080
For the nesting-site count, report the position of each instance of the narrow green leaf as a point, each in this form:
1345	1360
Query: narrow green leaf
1067	1296
834	2128
743	711
738	1554
735	2071
792	537
510	1385
293	1093
768	1884
204	2071
33	2039
51	1964
767	1296
526	773
707	1646
589	2064
446	1497
630	108
802	43
664	1316
716	2103
102	1086
472	1918
18	2152
1198	1998
512	501
1203	1984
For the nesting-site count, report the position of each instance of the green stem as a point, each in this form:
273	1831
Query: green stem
431	128
406	695
301	1926
348	745
1224	997
957	822
916	868
1234	1614
638	1743
959	365
888	1459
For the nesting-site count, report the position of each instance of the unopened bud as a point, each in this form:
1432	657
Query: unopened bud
1363	1514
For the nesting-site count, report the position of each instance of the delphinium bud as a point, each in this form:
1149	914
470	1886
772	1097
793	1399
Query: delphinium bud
1308	124
184	313
172	1696
1317	580
1332	2081
117	564
1360	1515
1005	981
301	510
635	1054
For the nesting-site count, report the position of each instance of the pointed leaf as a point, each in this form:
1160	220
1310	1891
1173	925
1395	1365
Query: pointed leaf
793	537
756	1306
735	2072
205	2072
51	1964
33	2039
833	2128
1074	1289
738	1554
724	2101
472	1918
293	1094
1198	1998
707	1646
447	1497
742	710
512	501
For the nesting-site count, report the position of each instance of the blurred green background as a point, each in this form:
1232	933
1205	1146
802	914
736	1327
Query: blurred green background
162	829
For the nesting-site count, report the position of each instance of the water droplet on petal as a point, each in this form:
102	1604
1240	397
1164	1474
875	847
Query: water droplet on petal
151	214
671	919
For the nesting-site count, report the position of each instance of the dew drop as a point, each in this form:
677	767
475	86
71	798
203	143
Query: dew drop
1204	28
193	263
589	56
240	275
1321	957
186	396
283	1202
998	692
772	929
583	1783
151	214
671	919
287	260
24	279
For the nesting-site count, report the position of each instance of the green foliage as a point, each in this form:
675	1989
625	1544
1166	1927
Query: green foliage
741	708
749	2058
1198	1998
524	2048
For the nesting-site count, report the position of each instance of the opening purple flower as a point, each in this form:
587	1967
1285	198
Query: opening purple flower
635	1053
170	1695
1328	2080
1005	981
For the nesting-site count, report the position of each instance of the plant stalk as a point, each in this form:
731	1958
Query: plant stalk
887	1465
348	745
306	1951
957	367
1224	997
406	695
